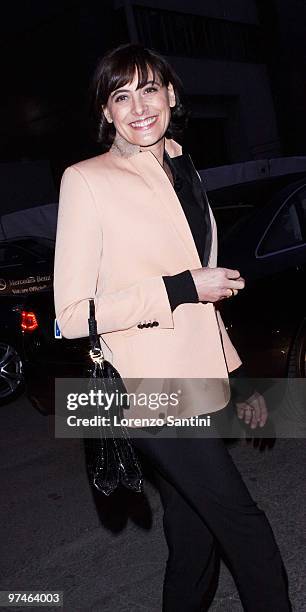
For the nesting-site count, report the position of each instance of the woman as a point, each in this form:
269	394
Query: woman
135	231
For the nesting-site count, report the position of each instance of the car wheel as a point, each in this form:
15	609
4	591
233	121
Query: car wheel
11	373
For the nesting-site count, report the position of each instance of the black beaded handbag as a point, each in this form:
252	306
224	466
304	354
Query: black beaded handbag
111	458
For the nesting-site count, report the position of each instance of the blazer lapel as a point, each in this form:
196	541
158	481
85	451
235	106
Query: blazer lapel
154	175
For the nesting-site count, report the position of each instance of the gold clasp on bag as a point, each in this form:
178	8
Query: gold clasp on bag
96	356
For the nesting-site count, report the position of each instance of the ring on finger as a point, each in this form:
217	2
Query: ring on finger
253	415
250	408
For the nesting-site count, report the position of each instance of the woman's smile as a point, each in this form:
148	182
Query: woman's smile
141	115
144	124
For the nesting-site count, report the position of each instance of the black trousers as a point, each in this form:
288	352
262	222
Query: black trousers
208	513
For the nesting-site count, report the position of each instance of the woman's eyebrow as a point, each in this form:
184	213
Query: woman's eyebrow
114	93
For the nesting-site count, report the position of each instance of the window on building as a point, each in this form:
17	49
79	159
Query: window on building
182	34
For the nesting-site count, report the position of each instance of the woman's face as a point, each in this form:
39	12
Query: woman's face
141	116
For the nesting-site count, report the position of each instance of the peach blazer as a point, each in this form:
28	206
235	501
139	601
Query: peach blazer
120	228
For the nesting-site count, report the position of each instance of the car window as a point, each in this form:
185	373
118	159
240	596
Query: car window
230	217
28	252
287	229
11	256
37	254
42	248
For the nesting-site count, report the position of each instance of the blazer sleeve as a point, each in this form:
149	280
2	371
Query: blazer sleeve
78	253
181	289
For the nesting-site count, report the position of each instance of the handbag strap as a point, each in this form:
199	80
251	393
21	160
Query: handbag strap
94	340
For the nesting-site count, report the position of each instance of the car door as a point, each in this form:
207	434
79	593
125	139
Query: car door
271	253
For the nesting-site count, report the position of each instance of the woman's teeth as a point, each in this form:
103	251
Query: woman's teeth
144	122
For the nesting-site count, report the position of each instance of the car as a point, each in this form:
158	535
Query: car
11	366
47	355
261	229
25	267
266	242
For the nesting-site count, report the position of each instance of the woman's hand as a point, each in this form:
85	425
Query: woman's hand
214	284
253	411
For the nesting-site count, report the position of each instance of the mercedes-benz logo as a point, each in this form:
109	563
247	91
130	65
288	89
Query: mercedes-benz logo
2	284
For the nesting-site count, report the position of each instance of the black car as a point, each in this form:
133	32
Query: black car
25	268
46	354
266	242
11	367
261	230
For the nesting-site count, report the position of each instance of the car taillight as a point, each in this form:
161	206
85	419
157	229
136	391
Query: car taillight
28	321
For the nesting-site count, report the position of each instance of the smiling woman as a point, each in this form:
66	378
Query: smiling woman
141	115
147	84
144	249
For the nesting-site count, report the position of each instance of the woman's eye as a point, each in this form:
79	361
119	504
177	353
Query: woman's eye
122	97
150	89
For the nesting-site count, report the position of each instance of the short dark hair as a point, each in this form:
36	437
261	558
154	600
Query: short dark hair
115	69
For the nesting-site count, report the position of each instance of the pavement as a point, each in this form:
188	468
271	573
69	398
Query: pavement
109	554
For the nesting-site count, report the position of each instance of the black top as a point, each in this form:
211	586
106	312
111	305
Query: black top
180	287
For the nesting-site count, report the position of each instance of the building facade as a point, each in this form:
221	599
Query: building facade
217	49
283	25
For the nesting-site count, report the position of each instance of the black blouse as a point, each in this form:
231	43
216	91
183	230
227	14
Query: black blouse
180	287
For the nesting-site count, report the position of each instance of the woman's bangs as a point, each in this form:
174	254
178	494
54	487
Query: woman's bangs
125	73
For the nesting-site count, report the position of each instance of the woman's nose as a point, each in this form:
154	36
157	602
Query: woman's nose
139	106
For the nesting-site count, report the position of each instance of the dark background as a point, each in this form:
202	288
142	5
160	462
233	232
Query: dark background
49	50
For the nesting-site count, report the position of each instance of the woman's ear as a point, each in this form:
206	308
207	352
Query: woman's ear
107	114
171	95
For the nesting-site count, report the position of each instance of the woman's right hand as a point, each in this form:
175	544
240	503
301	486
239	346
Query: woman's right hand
214	284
